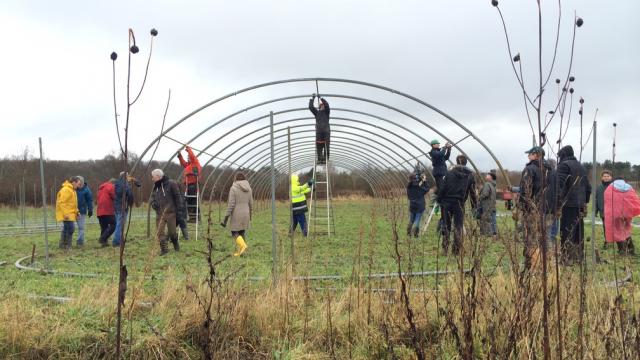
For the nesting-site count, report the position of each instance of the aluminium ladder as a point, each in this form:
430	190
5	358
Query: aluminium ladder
321	218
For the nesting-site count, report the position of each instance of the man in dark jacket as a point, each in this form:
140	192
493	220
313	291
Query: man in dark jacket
574	191
532	201
323	129
121	210
417	188
458	185
168	203
439	159
85	207
607	178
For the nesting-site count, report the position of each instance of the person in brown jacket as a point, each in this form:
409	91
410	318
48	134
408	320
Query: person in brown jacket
168	203
239	211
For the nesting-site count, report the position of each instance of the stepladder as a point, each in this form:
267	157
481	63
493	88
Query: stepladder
192	203
321	218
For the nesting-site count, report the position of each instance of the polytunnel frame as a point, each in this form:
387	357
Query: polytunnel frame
259	160
316	80
378	181
302	149
335	96
329	80
239	127
309	151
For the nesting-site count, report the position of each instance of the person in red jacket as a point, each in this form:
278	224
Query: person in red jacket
106	211
621	205
191	175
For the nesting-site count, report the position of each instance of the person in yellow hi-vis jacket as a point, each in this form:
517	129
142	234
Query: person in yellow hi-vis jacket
67	210
239	210
299	203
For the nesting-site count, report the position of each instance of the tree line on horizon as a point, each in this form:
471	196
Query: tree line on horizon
20	177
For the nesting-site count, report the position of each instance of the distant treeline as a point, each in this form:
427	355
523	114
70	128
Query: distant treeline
20	178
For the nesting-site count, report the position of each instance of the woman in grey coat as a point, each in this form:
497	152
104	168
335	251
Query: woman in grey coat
488	205
239	211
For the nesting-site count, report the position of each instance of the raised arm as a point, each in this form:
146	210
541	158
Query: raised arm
193	159
447	153
181	159
311	107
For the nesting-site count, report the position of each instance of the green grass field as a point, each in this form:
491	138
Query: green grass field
363	239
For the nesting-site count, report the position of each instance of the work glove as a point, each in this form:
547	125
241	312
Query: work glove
90	214
224	223
310	182
448	145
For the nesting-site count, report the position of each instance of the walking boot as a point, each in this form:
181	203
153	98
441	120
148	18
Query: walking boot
68	241
416	232
242	246
409	229
185	233
62	240
164	247
176	244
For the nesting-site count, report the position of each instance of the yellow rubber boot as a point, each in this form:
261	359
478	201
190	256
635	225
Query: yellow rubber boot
242	246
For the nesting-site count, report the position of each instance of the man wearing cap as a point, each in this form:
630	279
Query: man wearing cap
531	200
487	207
439	159
574	192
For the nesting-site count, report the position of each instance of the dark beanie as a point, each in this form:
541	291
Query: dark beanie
566	151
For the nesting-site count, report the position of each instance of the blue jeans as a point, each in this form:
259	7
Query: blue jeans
66	236
81	221
302	220
121	220
494	223
414	219
552	228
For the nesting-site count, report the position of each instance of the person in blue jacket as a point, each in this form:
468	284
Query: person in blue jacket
122	187
85	208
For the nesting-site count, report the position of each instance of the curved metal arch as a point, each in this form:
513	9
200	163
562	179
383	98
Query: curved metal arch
252	165
281	153
414	157
362	83
300	164
255	131
375	175
345	97
263	178
378	184
296	119
236	159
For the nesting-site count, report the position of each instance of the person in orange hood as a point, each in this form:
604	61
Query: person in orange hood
191	175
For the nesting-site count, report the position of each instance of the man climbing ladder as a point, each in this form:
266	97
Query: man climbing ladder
323	129
192	170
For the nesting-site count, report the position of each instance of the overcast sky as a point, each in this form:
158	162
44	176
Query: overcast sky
56	73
